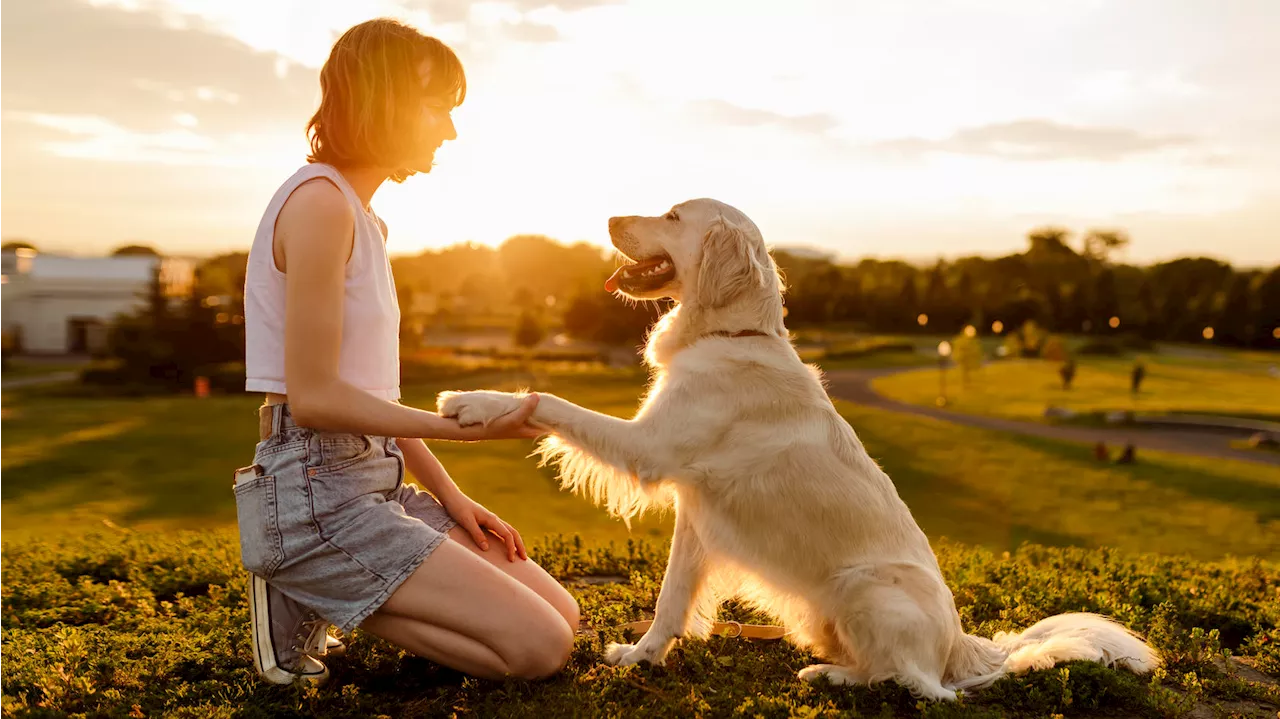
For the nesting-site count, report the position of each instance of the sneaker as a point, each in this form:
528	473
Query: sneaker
284	635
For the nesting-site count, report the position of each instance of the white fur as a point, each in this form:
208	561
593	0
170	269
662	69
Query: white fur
776	501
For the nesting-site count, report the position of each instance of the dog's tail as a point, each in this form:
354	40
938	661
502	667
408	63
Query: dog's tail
976	662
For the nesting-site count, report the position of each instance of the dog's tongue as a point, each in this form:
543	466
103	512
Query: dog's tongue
611	284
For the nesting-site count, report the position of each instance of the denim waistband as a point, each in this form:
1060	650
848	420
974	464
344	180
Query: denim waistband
273	419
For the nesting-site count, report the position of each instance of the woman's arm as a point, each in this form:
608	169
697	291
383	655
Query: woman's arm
425	468
315	229
472	517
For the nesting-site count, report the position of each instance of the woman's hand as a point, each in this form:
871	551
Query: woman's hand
478	522
512	425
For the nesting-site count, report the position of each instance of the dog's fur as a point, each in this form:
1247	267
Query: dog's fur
776	501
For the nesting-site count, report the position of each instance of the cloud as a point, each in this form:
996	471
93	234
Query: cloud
1036	139
528	31
447	11
727	113
137	71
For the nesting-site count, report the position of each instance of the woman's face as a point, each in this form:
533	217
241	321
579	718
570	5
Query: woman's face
435	124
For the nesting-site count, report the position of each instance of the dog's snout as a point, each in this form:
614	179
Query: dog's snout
615	223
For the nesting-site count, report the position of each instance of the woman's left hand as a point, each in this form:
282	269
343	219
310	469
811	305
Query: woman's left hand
479	522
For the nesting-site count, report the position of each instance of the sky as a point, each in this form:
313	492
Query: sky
913	129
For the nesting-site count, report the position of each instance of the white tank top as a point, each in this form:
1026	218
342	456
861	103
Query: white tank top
370	353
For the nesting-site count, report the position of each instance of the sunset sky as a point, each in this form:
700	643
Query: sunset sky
908	128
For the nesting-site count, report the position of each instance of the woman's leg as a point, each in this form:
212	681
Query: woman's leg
459	610
526	572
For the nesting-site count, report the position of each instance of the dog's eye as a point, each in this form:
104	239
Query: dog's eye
673	216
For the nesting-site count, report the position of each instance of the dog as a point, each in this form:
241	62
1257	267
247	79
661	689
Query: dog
776	501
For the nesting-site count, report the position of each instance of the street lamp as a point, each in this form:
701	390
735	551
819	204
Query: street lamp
944	351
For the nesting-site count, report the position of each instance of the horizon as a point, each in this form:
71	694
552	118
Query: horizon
868	131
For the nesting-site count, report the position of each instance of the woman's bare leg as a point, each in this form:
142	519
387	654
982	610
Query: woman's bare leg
461	611
526	572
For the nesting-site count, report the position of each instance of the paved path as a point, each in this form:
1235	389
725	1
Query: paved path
51	378
854	385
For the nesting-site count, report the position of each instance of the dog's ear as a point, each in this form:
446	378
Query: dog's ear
729	265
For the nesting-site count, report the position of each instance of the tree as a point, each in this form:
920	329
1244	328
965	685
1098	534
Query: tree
529	331
134	251
1048	242
1105	303
11	245
1268	303
1235	321
1099	245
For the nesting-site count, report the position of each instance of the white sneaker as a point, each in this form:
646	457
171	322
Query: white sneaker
284	634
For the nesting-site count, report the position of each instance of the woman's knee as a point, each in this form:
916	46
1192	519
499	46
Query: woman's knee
542	652
567	606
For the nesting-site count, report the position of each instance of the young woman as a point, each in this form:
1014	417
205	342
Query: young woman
329	531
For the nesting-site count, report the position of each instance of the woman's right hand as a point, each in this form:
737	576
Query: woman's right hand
512	425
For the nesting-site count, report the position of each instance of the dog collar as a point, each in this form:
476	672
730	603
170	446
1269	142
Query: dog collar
741	333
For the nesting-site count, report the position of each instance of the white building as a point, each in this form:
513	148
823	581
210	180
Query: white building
54	304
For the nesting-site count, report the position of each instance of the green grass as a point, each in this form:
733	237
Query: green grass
1022	389
136	618
22	368
155	625
166	463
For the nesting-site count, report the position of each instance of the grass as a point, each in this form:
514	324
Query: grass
146	615
21	368
1022	389
134	625
165	464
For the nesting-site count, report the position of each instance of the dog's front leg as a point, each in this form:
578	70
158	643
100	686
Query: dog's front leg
684	603
627	446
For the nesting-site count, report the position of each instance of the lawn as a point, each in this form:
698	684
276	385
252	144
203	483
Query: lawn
139	625
110	610
1022	389
166	463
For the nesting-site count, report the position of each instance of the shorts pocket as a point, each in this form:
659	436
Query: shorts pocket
261	548
339	451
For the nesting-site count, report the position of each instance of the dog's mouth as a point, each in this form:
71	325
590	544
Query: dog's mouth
642	275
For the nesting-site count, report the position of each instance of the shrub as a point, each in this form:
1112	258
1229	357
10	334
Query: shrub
1105	348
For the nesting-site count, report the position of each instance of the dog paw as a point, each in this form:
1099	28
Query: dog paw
833	673
624	655
480	407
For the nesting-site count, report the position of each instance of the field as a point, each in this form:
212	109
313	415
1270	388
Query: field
1240	385
123	595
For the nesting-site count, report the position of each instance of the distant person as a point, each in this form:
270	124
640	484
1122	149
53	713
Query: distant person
1128	456
1135	377
1068	372
329	530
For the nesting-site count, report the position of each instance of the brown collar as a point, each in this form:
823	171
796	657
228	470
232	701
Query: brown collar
742	333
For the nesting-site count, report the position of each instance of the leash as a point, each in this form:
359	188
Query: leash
731	630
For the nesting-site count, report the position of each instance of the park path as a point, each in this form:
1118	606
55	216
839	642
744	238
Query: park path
37	380
854	385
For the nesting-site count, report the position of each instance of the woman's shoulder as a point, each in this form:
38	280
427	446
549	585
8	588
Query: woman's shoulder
317	198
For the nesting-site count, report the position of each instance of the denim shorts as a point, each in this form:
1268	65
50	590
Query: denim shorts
327	518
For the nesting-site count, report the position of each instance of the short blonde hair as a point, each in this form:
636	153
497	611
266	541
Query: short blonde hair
371	95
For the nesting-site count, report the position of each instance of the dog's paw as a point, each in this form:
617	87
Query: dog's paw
480	407
833	673
627	654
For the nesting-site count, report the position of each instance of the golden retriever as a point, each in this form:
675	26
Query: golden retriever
776	501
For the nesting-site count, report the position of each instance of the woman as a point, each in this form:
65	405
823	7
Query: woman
329	531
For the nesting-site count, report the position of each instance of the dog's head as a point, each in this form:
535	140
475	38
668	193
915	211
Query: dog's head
702	251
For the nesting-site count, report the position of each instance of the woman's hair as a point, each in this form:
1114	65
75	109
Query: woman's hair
371	95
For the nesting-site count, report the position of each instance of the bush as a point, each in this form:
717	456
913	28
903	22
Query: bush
1137	343
868	348
1104	348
